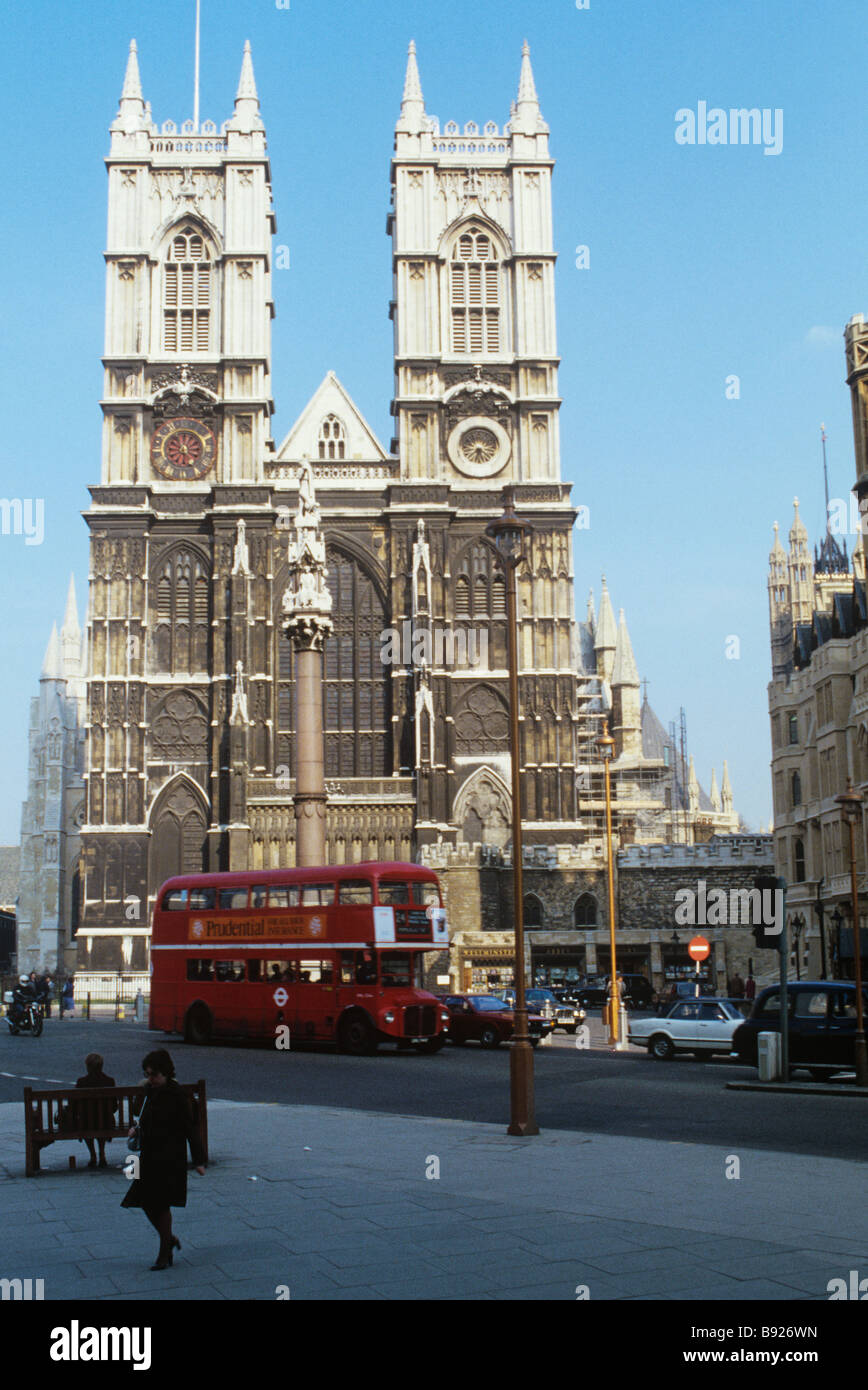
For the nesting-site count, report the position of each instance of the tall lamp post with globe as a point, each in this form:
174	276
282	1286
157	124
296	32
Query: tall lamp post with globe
508	533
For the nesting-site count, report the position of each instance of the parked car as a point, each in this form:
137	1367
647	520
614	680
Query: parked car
566	1016
702	1026
594	992
488	1020
821	1024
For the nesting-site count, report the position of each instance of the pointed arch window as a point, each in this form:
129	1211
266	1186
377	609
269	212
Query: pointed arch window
533	911
182	614
187	291
474	293
585	911
332	438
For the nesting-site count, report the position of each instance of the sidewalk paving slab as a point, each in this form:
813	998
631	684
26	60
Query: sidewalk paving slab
342	1209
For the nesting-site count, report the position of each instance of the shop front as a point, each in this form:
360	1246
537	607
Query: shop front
487	972
557	965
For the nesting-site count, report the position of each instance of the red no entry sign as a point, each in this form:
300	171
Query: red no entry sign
698	948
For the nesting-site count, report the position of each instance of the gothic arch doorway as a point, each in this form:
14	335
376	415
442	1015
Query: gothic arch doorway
179	828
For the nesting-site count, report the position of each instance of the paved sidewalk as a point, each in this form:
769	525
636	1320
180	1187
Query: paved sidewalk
336	1204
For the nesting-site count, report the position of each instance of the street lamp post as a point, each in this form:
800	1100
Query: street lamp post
851	808
606	745
508	533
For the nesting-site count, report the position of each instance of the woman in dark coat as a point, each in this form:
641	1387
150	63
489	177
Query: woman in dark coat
166	1128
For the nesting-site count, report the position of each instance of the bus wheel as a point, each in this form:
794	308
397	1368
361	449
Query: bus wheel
432	1045
356	1036
199	1026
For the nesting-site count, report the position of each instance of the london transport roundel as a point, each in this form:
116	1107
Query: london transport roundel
183	450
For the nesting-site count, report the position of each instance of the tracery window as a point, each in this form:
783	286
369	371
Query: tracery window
332	438
474	293
181	600
187	277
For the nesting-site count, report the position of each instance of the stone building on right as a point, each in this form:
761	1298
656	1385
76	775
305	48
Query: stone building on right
818	706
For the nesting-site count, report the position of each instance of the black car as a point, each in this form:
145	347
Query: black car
821	1024
594	993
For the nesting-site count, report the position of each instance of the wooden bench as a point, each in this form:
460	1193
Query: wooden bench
99	1112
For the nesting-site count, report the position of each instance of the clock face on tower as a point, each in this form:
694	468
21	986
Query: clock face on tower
183	450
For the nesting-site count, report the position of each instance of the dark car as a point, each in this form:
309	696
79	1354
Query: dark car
594	993
488	1020
821	1025
566	1016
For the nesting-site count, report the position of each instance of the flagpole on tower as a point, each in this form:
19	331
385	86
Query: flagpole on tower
196	79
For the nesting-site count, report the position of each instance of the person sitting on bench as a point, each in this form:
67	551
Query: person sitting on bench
102	1116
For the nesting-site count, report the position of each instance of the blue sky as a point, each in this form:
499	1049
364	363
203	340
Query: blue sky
705	261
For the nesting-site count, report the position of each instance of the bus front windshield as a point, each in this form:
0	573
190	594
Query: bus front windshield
401	968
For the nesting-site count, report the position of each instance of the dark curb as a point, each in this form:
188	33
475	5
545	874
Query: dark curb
799	1088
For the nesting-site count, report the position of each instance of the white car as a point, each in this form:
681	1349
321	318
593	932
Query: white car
693	1025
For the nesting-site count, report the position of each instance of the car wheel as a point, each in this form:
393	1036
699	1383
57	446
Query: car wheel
661	1047
489	1037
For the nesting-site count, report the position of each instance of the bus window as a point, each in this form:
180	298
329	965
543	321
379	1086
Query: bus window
203	899
229	970
279	972
200	970
354	891
231	899
175	900
348	967
317	895
366	968
426	894
316	972
400	968
258	897
392	894
283	897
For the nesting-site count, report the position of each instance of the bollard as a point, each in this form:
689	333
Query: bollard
88	1005
120	1014
140	1007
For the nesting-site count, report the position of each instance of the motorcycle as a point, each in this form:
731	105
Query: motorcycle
26	1016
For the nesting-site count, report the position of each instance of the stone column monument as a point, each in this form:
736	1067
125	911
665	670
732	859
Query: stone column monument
306	623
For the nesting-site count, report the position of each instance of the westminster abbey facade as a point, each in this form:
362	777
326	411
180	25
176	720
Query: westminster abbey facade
190	687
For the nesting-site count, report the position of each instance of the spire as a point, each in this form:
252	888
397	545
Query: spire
132	81
714	794
606	637
412	120
70	633
798	530
777	551
131	113
692	787
624	671
726	790
246	117
526	117
51	662
592	614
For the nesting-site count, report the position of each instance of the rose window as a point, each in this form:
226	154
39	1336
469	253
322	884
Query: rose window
479	446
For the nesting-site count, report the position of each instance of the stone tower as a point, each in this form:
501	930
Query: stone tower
476	407
176	624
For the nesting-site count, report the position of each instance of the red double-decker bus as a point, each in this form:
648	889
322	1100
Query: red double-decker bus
335	954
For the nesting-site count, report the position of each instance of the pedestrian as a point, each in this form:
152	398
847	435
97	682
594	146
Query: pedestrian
101	1116
69	997
737	986
750	987
45	994
165	1128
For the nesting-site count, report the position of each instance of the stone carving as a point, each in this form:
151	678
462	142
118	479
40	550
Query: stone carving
185	392
239	713
483	809
482	722
241	562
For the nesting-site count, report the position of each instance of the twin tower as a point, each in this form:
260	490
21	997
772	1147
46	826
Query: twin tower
190	760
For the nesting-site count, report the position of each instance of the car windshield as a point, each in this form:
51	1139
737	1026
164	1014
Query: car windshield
541	994
486	1004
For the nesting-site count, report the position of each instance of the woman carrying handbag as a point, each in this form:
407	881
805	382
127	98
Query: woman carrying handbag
165	1128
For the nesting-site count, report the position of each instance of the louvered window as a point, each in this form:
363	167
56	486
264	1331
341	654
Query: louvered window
332	438
187	294
474	286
